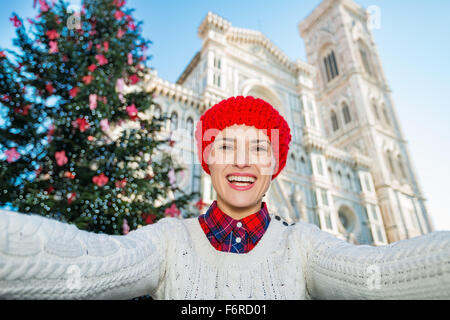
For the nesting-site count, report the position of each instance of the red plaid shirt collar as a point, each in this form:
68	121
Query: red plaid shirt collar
221	224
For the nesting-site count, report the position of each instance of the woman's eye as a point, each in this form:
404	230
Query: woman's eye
225	147
261	149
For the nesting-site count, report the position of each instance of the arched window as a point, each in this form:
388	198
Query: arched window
402	167
346	113
157	112
319	166
173	121
367	182
334	121
293	164
349	181
330	174
390	162
365	61
331	68
375	110
190	126
364	54
347	218
303	166
386	116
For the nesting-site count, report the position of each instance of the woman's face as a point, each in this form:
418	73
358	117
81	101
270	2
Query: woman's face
241	164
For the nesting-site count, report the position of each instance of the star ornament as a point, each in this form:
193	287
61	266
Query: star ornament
100	180
101	59
121	183
87	79
132	112
61	158
52	34
16	22
134	79
73	92
81	124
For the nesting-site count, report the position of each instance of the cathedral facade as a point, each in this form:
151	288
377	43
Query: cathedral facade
349	170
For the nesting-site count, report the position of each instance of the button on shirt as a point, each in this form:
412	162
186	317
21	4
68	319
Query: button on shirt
230	235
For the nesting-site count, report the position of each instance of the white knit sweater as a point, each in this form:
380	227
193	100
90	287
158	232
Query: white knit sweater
172	259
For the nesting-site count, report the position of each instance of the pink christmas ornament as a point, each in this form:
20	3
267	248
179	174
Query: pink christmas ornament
132	26
120	33
130	58
132	112
106	46
92	101
92	67
119	15
12	155
53	47
172	211
61	158
104	124
125	227
101	60
44	5
172	177
120	84
87	79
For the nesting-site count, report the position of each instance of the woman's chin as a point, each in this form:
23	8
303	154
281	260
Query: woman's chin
240	201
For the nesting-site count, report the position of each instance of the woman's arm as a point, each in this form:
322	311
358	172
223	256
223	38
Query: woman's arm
417	268
42	258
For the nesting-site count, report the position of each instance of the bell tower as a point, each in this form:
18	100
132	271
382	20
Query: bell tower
357	110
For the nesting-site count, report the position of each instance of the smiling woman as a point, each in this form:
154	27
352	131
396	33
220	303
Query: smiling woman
241	169
236	250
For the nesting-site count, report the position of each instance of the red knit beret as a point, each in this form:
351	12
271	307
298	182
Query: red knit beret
251	112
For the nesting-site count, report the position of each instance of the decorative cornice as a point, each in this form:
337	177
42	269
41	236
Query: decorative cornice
213	21
241	35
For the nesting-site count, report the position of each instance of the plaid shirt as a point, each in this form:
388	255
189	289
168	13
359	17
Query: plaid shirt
230	235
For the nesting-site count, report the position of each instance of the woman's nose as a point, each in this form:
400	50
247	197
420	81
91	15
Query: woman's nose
241	156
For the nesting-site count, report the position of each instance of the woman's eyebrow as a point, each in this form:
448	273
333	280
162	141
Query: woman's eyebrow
233	140
259	140
225	139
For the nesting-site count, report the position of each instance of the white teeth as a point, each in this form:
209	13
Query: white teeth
241	179
240	184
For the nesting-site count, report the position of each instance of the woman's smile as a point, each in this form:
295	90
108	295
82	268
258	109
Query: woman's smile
241	181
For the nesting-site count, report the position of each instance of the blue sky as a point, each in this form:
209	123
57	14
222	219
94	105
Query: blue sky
413	43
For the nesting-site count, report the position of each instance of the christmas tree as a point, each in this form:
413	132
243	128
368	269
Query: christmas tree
98	158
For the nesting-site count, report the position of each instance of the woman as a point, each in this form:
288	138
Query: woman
236	250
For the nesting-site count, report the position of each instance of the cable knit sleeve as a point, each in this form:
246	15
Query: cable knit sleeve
42	258
416	268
